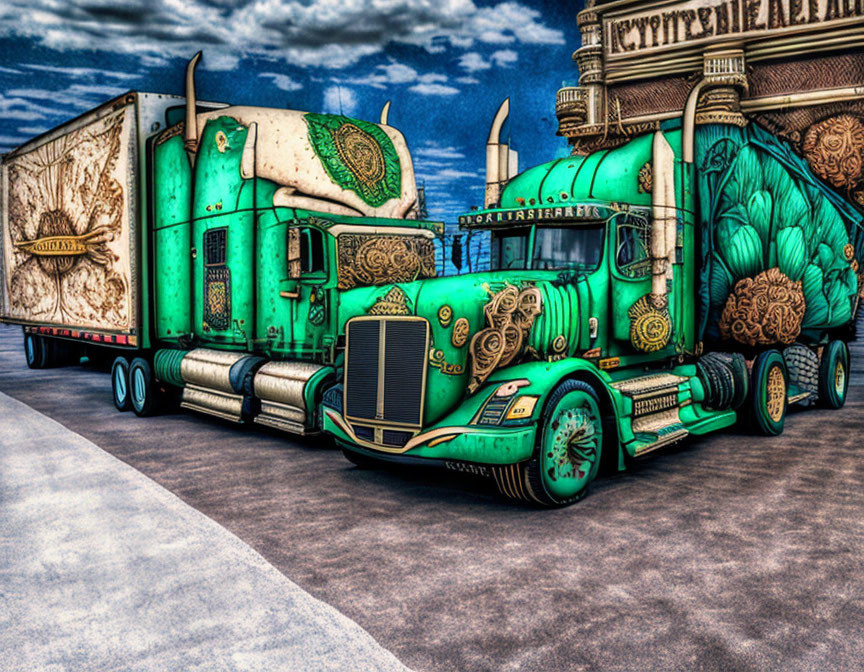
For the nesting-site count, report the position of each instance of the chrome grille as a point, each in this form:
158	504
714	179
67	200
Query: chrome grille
385	370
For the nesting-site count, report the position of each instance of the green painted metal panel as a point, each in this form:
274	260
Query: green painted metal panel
223	235
172	209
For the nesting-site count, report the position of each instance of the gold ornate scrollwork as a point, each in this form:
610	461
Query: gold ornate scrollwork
650	326
510	315
394	302
461	330
445	315
763	310
365	260
437	360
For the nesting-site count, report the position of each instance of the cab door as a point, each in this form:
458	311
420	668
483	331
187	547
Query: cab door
306	287
630	270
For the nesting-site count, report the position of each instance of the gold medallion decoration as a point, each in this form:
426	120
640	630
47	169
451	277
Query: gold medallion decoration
394	302
364	260
559	344
764	310
558	348
445	316
357	155
650	327
461	330
510	315
848	251
834	148
360	153
646	179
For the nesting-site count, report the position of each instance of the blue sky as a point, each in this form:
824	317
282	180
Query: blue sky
445	64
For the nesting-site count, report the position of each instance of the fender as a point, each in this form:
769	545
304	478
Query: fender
545	377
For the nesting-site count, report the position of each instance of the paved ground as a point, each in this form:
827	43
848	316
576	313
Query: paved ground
103	569
728	553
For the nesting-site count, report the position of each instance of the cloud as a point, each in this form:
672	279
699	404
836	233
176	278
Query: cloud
432	77
77	95
302	33
505	57
473	62
434	151
467	80
90	73
394	74
434	89
10	71
450	174
12	140
282	82
340	100
33	130
17	107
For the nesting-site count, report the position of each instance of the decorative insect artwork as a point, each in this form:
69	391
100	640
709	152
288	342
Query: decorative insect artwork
66	243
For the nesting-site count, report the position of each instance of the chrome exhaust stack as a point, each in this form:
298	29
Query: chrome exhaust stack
502	163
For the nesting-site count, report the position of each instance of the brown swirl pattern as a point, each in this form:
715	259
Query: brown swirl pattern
510	314
764	310
834	148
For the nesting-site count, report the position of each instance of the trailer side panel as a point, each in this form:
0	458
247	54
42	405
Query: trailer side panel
69	229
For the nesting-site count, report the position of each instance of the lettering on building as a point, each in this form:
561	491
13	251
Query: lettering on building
695	21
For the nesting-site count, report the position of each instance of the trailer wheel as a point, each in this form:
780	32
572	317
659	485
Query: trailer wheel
769	398
34	351
834	375
142	390
568	451
120	384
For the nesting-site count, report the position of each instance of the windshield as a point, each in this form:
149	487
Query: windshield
568	247
555	248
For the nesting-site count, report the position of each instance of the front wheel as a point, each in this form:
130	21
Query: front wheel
568	452
769	398
834	375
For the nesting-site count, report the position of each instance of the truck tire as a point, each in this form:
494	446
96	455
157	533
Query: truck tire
834	375
769	398
120	384
568	452
142	389
34	351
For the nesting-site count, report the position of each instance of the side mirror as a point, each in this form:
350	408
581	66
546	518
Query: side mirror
294	253
456	252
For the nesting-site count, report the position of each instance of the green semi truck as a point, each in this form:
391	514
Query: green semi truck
205	247
692	264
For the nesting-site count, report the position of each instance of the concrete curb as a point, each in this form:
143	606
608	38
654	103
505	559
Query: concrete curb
102	568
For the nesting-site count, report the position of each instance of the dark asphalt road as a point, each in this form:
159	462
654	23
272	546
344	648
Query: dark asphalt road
730	552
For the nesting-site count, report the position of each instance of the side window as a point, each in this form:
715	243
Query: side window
631	247
311	251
